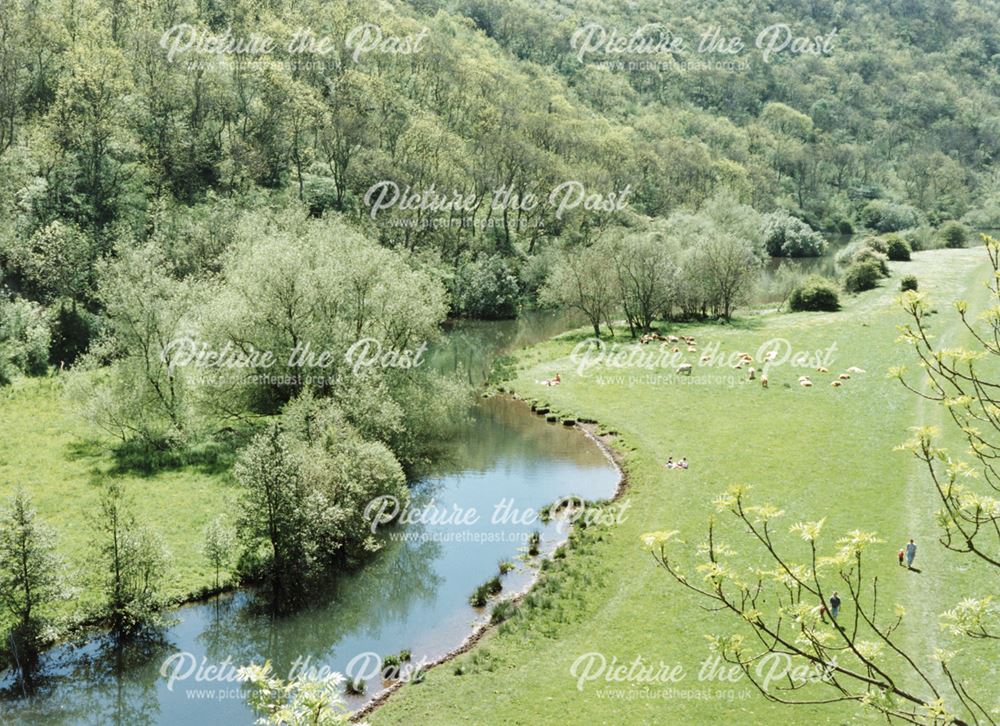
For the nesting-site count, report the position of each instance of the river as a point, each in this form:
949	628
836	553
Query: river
505	466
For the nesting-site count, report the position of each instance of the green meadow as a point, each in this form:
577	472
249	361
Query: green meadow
58	458
814	452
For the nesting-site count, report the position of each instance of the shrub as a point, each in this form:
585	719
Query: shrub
25	337
867	254
816	294
909	282
493	585
482	593
487	288
898	250
862	276
920	238
502	611
954	234
534	543
885	216
505	566
786	236
879	244
356	686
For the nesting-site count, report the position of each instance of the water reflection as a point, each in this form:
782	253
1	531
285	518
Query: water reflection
413	595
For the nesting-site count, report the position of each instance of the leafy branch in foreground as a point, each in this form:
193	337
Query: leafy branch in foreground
297	702
958	379
857	657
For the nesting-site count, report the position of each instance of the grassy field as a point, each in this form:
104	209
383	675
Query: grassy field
820	452
53	455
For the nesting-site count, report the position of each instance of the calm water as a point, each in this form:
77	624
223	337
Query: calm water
506	465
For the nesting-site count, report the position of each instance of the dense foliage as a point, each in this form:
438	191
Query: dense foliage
158	200
862	275
815	293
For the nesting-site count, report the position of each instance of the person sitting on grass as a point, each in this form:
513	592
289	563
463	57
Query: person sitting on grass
682	464
670	463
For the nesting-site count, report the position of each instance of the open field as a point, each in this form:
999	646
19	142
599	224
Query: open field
820	452
54	456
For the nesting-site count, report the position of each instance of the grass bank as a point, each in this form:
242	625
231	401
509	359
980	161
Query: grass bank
47	450
818	452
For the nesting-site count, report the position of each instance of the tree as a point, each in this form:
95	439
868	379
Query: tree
584	281
143	394
272	513
731	268
645	265
135	561
786	236
31	574
218	545
299	702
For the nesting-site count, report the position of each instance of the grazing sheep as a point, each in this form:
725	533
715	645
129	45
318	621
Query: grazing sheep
763	380
753	374
771	355
855	369
705	358
692	349
676	350
806	383
836	384
821	369
684	368
673	339
738	366
844	376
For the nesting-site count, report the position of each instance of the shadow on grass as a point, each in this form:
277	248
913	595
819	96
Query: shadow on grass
140	458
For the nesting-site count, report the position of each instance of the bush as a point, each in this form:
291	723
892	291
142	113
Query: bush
920	238
814	294
953	234
25	337
502	611
862	276
482	593
897	248
487	289
867	254
356	686
786	236
885	216
909	282
879	244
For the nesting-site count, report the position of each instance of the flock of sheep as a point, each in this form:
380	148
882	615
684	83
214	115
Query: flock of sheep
743	359
804	381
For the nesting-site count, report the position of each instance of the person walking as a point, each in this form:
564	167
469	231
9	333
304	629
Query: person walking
901	555
834	606
911	552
